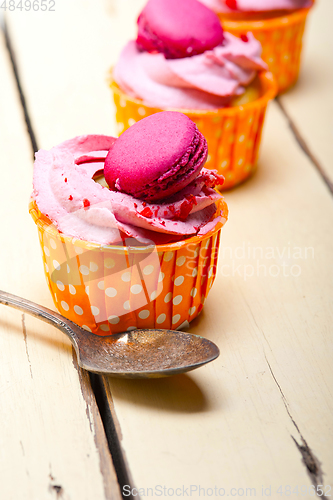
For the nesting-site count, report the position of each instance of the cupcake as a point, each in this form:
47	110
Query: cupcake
129	228
277	24
183	60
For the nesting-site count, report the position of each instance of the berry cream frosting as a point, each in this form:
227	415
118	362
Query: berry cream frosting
229	6
168	67
177	199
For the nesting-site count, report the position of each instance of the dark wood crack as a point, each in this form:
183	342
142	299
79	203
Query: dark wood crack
303	145
26	343
11	52
311	462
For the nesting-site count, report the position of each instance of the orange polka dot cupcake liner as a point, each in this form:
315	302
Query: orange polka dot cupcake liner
110	289
281	39
233	134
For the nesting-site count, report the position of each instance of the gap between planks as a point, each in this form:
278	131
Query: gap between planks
95	381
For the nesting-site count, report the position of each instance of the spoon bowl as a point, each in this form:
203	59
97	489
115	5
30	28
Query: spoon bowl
135	354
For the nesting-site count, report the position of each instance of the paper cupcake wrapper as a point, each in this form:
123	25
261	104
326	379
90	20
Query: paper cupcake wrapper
233	134
281	40
110	289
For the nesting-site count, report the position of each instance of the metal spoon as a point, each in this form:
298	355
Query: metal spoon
135	354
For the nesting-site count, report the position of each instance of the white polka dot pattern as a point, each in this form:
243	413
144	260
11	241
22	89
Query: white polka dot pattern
177	300
78	310
181	261
175	319
136	289
84	270
161	318
126	277
114	320
56	265
148	270
109	263
93	267
60	285
168	256
95	310
111	292
144	314
78	250
106	302
179	280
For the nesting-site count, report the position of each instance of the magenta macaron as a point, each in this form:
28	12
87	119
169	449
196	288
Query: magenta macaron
156	157
192	31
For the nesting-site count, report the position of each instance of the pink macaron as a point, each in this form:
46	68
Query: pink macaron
192	31
156	157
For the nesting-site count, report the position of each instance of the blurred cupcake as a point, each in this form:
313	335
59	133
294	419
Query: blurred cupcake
141	251
183	60
277	24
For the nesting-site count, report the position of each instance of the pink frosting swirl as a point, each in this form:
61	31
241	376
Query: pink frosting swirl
66	192
204	81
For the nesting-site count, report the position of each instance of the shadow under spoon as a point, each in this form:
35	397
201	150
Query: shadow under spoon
134	354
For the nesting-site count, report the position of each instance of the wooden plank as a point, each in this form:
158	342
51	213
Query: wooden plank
65	76
309	104
230	424
52	440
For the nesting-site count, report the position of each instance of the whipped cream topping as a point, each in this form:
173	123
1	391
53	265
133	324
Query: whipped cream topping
204	81
229	6
66	192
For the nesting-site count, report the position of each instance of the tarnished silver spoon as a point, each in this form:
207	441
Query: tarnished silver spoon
135	354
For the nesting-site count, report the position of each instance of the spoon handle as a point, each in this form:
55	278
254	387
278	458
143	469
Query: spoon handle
40	312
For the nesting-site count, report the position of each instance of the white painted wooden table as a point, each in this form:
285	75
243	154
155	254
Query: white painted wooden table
257	421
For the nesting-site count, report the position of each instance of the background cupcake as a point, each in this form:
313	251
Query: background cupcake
183	60
142	253
277	24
